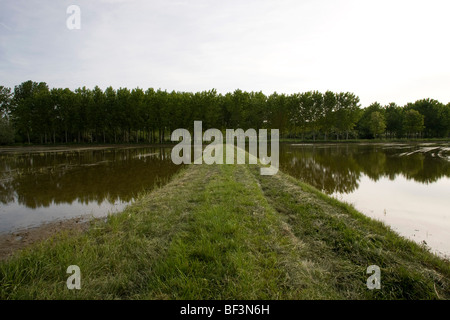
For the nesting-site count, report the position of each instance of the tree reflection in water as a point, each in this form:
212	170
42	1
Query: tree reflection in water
42	179
337	168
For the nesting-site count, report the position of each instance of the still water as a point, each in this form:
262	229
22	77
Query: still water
407	186
40	187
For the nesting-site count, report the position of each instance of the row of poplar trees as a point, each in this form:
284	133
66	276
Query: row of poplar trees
38	114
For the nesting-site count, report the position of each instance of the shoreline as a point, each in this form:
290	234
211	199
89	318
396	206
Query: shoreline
22	238
88	146
73	147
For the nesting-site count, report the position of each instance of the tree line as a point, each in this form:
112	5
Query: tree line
34	113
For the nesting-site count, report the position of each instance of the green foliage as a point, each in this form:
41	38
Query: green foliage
40	115
6	132
413	122
377	123
394	121
31	109
5	101
431	119
347	112
365	126
435	117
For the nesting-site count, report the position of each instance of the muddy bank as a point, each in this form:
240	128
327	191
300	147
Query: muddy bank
20	239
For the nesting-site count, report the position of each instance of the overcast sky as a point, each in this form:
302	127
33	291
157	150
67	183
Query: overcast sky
385	51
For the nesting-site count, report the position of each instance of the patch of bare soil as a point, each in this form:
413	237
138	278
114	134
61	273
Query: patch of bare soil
20	239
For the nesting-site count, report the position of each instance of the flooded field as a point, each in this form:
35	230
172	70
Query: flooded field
407	186
38	187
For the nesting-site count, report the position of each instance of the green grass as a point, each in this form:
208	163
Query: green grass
226	232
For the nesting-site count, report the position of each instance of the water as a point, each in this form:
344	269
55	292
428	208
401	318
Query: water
39	187
407	186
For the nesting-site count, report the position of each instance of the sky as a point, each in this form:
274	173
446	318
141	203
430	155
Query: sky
385	51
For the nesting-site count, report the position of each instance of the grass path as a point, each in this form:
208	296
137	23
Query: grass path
225	232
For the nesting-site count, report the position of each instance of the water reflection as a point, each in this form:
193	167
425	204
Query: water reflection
44	179
338	168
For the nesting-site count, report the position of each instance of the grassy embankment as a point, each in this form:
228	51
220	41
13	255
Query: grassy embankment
226	232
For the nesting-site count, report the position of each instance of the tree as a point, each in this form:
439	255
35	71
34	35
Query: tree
28	108
257	112
119	104
22	109
278	114
44	120
6	132
432	111
137	110
96	114
347	113
39	114
315	112
79	104
211	109
327	120
377	123
235	104
162	112
305	112
5	101
296	120
413	122
149	114
113	121
394	121
365	122
446	119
